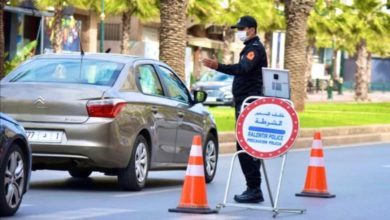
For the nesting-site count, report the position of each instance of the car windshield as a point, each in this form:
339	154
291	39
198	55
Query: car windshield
87	71
215	76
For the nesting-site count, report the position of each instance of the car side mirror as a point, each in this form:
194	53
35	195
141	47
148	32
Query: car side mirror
200	96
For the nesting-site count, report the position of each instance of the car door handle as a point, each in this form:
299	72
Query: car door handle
154	109
180	114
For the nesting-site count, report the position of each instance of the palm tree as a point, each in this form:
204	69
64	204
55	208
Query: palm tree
142	9
2	57
369	25
297	12
328	29
173	34
59	6
202	11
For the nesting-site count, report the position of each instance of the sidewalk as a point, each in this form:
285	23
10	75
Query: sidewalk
347	96
337	136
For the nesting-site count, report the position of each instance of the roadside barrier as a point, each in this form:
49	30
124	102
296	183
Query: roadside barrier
315	185
194	195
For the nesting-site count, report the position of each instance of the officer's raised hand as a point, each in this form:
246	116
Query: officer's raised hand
210	63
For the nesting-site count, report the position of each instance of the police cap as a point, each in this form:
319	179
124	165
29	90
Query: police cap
246	21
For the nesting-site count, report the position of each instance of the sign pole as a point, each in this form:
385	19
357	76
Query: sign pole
271	198
274	205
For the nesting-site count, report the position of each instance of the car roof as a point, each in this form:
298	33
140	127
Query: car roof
120	58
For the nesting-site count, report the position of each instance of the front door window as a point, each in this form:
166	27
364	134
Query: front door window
175	87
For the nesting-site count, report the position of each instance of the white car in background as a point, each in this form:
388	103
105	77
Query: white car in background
218	87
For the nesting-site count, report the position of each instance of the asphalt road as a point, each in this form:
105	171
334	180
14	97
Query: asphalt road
359	175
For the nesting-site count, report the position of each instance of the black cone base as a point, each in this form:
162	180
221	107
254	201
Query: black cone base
318	195
194	210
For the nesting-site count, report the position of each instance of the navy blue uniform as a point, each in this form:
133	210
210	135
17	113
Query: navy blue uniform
248	82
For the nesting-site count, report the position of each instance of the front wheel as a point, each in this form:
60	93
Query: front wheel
133	177
13	177
210	152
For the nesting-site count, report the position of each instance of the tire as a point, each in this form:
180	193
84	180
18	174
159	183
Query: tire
16	166
210	152
80	173
134	176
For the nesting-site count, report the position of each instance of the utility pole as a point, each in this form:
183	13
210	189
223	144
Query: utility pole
102	17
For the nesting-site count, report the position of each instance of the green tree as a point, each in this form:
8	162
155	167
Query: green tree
173	34
328	29
2	39
266	12
59	6
145	10
370	28
202	11
27	52
269	18
297	12
226	15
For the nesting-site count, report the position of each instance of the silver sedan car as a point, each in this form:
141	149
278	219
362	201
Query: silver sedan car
218	87
117	114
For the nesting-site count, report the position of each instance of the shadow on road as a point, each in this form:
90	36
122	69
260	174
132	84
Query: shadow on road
103	184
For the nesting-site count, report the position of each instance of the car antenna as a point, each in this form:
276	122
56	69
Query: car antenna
81	47
82	55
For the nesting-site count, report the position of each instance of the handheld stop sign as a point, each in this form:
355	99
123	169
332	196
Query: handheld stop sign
267	128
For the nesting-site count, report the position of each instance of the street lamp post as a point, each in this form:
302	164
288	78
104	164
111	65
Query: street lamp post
102	16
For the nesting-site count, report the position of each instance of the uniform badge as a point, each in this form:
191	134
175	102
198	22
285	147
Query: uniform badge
250	55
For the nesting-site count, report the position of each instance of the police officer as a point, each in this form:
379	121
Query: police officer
247	82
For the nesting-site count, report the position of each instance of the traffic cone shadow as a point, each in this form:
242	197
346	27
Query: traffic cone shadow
315	185
194	195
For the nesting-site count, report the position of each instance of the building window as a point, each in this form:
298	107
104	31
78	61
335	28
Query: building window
111	32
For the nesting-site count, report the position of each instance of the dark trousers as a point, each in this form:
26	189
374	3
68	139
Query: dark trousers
250	166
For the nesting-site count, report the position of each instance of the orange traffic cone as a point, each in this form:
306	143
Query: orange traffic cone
315	185
194	196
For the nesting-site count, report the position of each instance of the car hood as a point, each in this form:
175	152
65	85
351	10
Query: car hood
7	118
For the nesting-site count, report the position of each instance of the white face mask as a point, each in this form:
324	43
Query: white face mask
241	35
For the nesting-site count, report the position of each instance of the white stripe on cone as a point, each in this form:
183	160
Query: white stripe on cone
317	162
317	144
195	170
196	151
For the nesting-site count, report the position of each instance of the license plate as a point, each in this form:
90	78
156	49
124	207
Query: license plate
44	136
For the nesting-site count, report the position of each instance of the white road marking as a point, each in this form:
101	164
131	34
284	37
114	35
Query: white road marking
25	205
75	214
146	193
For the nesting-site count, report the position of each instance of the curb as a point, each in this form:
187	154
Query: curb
334	136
